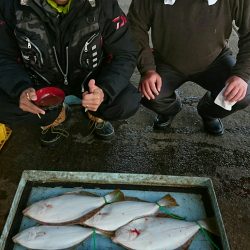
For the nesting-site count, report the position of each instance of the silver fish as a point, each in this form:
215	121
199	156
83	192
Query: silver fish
69	208
52	237
126	211
155	233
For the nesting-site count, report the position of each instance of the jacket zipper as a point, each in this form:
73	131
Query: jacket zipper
89	41
30	44
65	74
85	47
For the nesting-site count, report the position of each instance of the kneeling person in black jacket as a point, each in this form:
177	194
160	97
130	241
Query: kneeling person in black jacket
82	47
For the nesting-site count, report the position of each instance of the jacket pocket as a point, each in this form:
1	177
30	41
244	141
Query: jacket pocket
31	54
91	52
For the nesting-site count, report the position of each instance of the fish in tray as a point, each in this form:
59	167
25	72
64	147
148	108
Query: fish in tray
156	233
52	237
69	208
126	211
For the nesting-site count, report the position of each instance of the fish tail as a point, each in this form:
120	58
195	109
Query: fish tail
167	201
210	225
114	196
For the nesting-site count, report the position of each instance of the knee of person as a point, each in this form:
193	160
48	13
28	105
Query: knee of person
164	105
126	109
122	108
157	101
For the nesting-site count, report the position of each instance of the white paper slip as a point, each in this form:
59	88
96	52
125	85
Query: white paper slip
220	100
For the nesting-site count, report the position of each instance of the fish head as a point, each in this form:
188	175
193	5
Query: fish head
131	231
37	208
30	234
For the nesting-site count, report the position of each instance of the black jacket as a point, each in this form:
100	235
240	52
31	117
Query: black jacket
39	46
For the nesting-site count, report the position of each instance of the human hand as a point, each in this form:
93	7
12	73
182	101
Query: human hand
150	84
236	89
26	102
93	98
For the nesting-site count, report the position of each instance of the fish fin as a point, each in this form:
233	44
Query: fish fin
168	201
88	216
162	215
108	234
66	223
84	193
129	198
40	222
116	195
210	225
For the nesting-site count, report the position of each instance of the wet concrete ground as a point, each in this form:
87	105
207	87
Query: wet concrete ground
183	150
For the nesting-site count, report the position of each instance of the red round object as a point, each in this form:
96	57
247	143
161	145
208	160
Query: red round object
49	97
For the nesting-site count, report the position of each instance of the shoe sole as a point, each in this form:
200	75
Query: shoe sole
164	125
104	137
161	128
214	134
52	143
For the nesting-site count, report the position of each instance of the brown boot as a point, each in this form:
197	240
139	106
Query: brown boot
102	129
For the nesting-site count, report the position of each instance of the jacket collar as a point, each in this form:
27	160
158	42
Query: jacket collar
60	9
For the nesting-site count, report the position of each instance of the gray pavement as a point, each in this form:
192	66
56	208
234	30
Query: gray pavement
183	150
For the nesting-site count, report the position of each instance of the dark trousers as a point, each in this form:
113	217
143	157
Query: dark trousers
123	106
212	79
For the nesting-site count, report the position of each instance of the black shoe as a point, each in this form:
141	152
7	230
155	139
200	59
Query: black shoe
104	130
51	135
163	122
213	126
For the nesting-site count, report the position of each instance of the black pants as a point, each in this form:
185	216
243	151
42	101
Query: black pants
212	79
124	106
